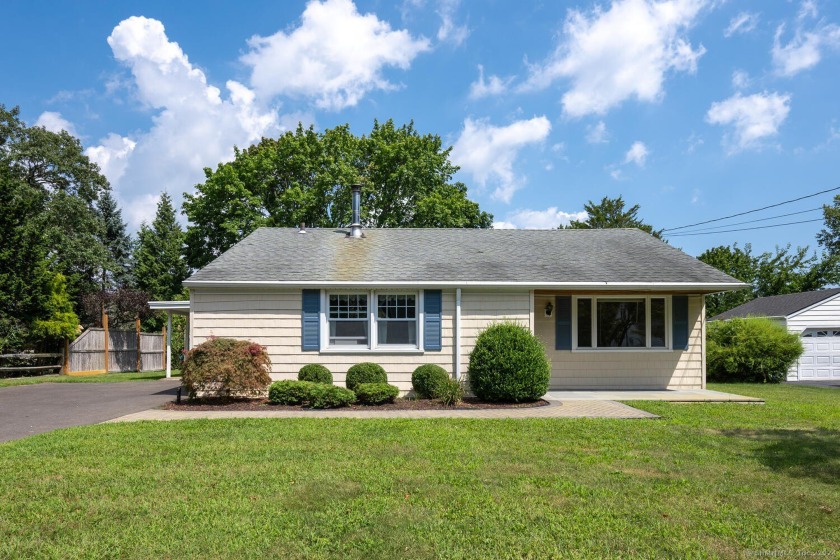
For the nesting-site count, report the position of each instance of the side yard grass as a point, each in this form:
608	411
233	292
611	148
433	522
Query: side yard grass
106	378
707	480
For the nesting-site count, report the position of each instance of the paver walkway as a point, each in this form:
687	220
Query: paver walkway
555	409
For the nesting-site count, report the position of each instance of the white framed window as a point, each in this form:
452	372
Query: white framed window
347	319
372	320
621	322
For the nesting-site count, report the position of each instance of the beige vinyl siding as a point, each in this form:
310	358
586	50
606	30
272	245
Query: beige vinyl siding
480	308
273	319
624	369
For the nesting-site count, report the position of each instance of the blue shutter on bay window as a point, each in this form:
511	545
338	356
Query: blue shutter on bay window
432	307
563	323
679	322
311	320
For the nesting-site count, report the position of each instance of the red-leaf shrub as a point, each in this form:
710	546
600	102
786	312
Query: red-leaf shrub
224	367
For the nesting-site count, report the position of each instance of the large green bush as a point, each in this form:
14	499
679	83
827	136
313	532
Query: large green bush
428	379
290	392
508	364
753	349
365	372
376	393
315	373
225	367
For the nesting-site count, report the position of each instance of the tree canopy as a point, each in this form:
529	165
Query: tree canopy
786	271
304	177
610	213
158	265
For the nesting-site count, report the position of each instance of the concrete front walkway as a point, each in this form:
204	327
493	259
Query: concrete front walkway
670	395
571	409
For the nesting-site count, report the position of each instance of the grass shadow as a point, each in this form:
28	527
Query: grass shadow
798	453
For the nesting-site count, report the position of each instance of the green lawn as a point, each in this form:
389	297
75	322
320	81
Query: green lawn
109	378
707	480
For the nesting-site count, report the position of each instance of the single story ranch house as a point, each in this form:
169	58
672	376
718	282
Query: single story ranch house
614	308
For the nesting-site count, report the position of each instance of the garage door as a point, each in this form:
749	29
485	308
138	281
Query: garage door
821	358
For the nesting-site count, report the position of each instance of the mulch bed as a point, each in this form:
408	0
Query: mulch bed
469	403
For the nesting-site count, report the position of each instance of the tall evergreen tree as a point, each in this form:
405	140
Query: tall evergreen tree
159	266
117	271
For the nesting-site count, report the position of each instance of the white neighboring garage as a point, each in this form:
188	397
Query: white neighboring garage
815	316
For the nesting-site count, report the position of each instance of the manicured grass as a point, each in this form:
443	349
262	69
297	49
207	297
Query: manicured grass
707	480
108	378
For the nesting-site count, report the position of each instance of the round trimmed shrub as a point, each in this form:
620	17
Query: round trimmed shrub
330	396
427	379
316	373
365	372
224	367
376	393
753	350
508	364
290	392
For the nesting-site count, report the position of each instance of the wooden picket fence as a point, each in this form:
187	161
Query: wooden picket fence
87	352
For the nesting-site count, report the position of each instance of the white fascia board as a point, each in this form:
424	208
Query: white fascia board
693	287
810	307
173	306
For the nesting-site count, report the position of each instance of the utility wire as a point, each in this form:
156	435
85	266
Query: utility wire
713	228
756	210
745	229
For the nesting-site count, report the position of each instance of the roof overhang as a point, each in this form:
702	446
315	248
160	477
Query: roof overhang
688	287
176	307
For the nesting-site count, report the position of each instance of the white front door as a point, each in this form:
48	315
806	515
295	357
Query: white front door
821	358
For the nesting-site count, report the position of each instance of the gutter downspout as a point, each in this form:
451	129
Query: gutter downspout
458	334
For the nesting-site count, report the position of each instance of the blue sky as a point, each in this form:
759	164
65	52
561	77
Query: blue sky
694	109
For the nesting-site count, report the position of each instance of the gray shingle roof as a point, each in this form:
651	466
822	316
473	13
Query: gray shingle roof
777	306
429	256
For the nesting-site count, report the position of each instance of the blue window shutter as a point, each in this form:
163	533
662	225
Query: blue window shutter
432	307
679	322
563	323
311	320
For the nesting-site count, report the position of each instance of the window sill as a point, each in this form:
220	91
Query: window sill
615	349
379	350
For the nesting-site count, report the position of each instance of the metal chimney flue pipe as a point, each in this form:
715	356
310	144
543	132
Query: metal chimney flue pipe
356	226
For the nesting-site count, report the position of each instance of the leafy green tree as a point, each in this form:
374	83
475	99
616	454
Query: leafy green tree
60	322
159	266
786	271
829	236
304	177
610	213
117	271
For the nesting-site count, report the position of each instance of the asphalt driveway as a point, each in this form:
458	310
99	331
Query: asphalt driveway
33	409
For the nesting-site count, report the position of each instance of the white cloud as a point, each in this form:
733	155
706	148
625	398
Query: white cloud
740	80
753	118
742	23
623	52
550	218
805	48
194	125
637	154
335	56
449	31
488	152
54	122
494	85
597	133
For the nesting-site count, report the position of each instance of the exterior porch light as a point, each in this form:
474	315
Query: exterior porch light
549	309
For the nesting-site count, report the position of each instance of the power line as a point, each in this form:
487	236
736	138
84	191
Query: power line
712	229
756	210
745	229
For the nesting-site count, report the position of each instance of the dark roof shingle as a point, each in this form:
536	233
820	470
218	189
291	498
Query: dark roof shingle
777	306
457	255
